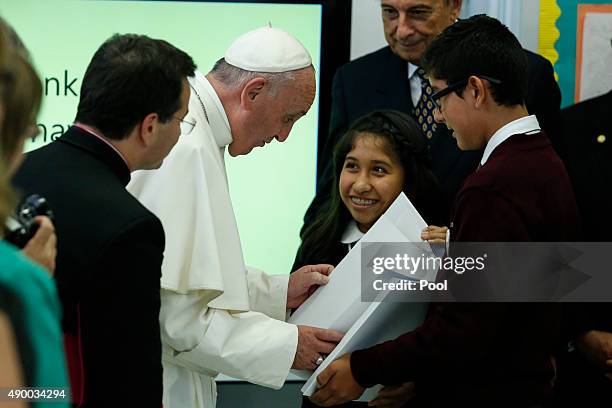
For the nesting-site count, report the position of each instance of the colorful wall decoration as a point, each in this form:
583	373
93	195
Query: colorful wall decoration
576	35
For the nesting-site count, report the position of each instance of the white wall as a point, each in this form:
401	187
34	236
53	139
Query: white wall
366	28
521	16
530	24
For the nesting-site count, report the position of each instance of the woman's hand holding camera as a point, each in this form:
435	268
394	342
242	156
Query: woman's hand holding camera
42	248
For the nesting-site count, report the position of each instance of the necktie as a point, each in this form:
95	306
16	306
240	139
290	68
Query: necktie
424	109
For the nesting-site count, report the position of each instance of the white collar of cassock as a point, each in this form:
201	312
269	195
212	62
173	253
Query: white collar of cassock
219	123
524	125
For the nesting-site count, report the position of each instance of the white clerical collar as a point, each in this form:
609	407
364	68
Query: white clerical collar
351	233
214	110
524	125
412	69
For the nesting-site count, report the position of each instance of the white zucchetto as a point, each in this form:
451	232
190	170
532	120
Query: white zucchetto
267	49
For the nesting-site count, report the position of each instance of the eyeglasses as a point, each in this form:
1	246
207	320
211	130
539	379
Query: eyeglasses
436	96
186	126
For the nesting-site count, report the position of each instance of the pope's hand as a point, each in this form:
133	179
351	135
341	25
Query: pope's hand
312	344
336	384
304	281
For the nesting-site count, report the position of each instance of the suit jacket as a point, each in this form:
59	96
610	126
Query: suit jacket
110	250
495	354
588	160
380	81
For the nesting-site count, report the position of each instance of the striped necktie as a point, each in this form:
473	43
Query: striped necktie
424	109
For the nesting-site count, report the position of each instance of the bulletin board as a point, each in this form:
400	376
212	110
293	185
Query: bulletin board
576	35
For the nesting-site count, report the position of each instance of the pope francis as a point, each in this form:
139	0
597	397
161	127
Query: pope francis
217	315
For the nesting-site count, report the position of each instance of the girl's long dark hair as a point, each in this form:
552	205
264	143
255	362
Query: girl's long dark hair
404	140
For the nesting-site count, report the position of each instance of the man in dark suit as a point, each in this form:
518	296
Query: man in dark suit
474	354
389	79
133	99
585	363
587	141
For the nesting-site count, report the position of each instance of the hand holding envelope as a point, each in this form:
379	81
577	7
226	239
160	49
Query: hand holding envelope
313	342
304	281
336	384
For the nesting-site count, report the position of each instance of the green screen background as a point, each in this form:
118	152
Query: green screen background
272	186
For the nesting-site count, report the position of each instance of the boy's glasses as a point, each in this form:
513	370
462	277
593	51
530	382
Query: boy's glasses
436	96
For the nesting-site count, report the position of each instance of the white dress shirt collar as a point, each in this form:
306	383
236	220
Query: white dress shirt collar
412	69
416	88
525	125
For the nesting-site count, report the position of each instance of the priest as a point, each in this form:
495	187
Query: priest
217	315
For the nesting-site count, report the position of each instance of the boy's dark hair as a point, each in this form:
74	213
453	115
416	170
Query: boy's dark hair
129	77
404	141
480	45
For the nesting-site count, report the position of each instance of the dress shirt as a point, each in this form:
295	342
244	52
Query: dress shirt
524	125
415	84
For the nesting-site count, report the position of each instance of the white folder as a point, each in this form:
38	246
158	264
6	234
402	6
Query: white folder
338	304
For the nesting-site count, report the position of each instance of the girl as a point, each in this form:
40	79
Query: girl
381	155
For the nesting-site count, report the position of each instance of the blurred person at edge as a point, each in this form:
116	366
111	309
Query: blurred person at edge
31	351
585	358
41	248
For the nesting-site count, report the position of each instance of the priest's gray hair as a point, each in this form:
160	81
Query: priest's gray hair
234	77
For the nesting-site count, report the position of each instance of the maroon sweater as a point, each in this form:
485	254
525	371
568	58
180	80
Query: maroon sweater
492	354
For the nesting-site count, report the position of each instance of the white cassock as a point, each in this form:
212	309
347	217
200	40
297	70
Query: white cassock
216	316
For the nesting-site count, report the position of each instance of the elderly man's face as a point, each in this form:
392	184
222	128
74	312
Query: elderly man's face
273	116
410	25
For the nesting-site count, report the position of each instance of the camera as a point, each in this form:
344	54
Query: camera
22	226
